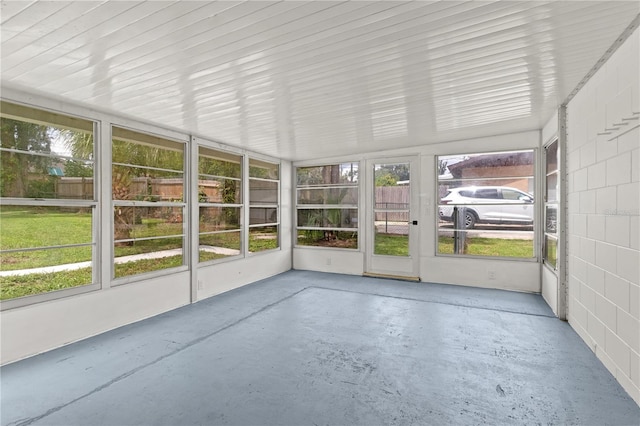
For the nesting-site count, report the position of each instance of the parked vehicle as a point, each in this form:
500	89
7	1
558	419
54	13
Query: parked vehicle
488	204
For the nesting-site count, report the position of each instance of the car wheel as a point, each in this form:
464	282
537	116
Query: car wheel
469	220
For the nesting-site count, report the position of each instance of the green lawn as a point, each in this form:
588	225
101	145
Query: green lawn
391	245
490	247
40	227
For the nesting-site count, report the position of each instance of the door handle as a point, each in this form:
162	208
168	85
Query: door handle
414	222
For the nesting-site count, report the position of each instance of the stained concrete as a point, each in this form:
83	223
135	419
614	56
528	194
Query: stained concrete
308	348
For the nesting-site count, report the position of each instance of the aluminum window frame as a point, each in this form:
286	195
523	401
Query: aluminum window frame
326	207
249	159
184	204
534	177
92	204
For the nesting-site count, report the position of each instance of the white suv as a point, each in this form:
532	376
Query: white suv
488	204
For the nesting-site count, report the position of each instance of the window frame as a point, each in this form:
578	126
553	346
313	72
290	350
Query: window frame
184	205
277	205
534	177
326	207
241	228
551	203
92	204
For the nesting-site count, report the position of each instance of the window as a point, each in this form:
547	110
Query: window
220	204
486	204
327	205
148	188
48	202
264	205
550	255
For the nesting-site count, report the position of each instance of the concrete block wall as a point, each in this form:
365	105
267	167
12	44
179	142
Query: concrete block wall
603	264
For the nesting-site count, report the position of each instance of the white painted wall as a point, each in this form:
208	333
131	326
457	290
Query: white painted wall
509	274
43	326
604	214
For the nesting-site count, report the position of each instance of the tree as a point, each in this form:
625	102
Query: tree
16	166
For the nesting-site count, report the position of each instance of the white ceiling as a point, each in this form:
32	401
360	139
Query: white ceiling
301	80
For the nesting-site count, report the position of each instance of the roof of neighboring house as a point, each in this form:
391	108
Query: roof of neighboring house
492	160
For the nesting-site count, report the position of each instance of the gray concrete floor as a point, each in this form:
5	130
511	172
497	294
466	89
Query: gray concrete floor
308	348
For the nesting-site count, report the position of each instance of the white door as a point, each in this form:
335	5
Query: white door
392	218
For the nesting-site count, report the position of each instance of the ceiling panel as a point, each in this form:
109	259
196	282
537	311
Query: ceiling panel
302	80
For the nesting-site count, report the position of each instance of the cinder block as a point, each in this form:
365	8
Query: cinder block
634	233
606	200
595	279
628	199
618	351
634	300
635	165
619	169
629	140
596	329
606	312
635	368
617	291
588	202
595	226
605	148
578	224
588	154
606	257
617	230
580	180
588	250
628	329
596	175
587	297
628	264
578	268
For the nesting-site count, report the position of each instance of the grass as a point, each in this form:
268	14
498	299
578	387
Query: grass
490	247
40	227
27	285
391	245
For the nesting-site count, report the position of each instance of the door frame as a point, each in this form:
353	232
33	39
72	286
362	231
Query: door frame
401	267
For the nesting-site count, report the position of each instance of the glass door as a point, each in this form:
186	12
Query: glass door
392	221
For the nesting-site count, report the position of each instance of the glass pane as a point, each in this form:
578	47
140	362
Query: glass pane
35	176
519	214
336	195
218	163
132	183
219	191
489	242
136	250
263	192
551	219
392	243
391	174
552	157
328	218
258	215
30	227
219	245
28	284
345	173
132	223
263	238
552	187
551	250
338	239
159	176
263	169
55	137
219	218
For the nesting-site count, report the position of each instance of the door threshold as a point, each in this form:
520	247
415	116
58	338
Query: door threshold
391	276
